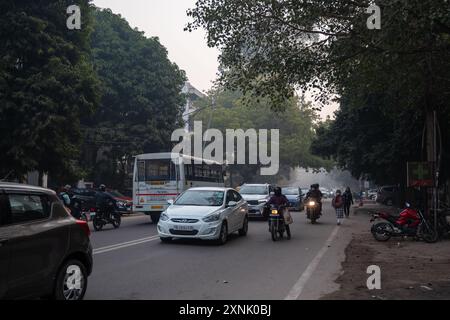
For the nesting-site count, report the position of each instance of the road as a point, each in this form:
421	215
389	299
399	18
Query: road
132	263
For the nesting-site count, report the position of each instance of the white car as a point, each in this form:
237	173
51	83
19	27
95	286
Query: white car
204	213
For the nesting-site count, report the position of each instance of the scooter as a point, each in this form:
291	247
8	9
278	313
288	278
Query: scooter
410	223
277	224
312	209
106	216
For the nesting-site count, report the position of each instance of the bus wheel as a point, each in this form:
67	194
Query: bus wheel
155	217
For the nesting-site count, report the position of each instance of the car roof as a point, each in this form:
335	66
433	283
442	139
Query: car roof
256	184
23	187
210	188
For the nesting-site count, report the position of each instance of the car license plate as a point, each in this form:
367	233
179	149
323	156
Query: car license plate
183	228
157	207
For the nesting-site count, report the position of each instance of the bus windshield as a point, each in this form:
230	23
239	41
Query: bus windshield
156	169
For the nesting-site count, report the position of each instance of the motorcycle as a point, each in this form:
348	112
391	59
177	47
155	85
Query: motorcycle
277	223
79	210
107	215
410	223
312	209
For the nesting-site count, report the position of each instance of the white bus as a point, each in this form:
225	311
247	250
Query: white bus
159	177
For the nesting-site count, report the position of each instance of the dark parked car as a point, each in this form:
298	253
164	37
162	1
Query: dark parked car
388	195
44	251
86	197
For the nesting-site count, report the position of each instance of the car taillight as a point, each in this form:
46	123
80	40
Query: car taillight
92	209
84	226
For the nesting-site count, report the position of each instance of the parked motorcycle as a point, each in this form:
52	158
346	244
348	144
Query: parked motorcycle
312	209
277	223
410	223
107	215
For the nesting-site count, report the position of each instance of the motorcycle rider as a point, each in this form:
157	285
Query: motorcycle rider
316	194
103	201
279	200
64	195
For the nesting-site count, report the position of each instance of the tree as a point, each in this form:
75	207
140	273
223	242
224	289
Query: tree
141	100
46	82
390	77
296	125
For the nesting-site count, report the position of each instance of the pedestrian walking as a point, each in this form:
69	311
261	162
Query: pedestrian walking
348	201
338	205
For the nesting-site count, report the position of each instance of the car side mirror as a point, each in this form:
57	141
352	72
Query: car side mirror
231	204
170	201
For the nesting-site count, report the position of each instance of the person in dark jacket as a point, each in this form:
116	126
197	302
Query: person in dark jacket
278	198
348	201
103	201
316	194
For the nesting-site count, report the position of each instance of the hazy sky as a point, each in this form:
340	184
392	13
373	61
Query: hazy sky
166	19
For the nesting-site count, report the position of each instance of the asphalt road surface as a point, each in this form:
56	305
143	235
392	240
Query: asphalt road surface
132	263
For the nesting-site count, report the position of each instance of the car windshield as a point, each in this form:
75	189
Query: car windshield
201	198
253	190
289	191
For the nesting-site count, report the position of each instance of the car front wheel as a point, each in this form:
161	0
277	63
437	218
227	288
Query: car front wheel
223	236
71	281
243	231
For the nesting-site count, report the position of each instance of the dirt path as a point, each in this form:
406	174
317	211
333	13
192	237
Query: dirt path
409	269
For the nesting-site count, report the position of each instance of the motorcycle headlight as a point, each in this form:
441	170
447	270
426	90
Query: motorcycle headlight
312	203
212	217
164	217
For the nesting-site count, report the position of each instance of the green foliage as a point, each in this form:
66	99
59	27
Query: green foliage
46	82
385	79
296	125
141	98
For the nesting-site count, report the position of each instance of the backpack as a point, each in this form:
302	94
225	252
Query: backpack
337	202
64	196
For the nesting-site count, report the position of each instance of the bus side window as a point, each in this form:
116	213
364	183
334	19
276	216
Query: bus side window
141	171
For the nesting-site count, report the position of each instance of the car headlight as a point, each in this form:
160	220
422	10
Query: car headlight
164	217
262	201
121	204
212	217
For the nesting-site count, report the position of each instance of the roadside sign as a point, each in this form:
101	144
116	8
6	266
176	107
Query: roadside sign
420	174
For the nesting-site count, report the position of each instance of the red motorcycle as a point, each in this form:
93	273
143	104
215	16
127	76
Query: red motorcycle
410	223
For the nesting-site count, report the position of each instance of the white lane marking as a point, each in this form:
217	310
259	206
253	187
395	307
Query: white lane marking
298	287
124	244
